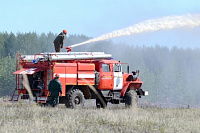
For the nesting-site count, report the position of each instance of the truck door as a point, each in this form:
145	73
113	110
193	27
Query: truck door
118	76
106	77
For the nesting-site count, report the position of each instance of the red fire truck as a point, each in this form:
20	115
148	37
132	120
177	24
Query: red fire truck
83	75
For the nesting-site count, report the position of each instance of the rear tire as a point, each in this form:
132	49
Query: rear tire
131	99
75	99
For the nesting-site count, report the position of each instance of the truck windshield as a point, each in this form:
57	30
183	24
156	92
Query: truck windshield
117	67
106	67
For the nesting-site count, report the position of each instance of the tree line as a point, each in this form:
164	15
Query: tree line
171	75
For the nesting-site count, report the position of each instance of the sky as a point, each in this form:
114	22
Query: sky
94	18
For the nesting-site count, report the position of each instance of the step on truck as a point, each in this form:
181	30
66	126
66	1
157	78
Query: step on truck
83	75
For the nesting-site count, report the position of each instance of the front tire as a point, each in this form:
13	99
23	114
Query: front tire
131	99
75	99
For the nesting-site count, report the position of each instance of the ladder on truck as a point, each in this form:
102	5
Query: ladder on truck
19	80
43	98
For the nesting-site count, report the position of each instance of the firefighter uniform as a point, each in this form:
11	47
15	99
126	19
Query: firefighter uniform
54	88
59	41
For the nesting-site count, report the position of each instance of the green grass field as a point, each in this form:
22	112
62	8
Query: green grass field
28	117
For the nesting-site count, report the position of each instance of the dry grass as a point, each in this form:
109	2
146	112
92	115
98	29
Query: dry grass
28	117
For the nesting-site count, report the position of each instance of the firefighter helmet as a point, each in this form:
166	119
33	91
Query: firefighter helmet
57	75
65	31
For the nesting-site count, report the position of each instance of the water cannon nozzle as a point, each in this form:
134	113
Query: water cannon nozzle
68	49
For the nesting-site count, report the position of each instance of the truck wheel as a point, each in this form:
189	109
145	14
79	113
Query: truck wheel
131	99
99	104
75	99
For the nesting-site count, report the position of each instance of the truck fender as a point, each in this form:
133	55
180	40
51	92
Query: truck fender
133	85
125	87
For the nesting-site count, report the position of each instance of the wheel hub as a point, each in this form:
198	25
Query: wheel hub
77	100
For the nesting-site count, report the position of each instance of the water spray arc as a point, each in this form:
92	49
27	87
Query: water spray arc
166	23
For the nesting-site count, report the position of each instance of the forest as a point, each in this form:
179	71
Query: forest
170	75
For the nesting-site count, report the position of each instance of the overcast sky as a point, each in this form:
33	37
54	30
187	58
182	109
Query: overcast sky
90	17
